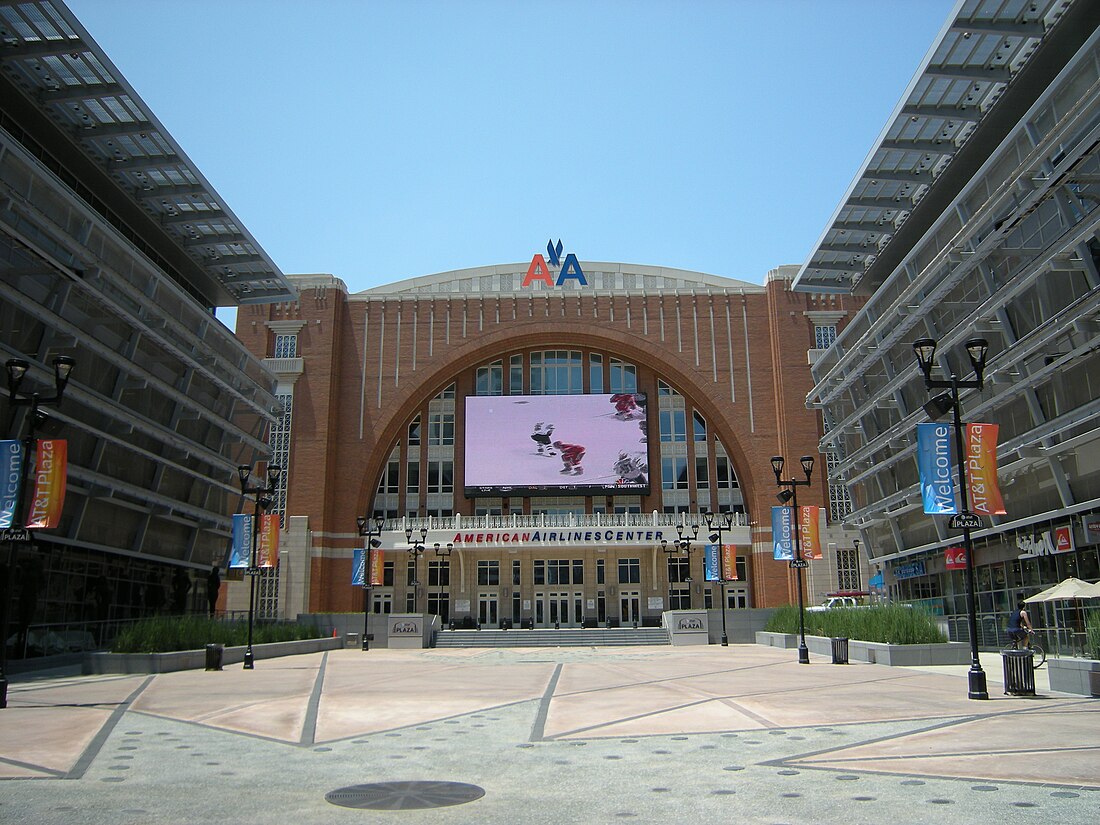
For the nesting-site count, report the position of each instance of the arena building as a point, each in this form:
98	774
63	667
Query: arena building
975	215
426	403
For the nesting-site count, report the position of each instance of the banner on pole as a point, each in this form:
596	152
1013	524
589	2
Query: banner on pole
955	558
783	533
981	470
50	465
809	523
11	479
241	552
934	465
377	566
711	563
267	551
729	562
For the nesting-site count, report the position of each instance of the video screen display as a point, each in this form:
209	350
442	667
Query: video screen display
549	445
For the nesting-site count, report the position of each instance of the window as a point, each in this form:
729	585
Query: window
595	373
679	598
679	569
387	574
441	429
557	571
439	573
410	572
414	432
556	372
674	472
488	572
412	477
848	575
700	432
630	571
600	571
515	375
390	478
840	503
516	573
538	575
490	379
673	425
440	476
286	346
724	476
578	571
702	478
824	335
624	376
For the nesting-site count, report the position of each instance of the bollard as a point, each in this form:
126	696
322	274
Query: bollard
214	656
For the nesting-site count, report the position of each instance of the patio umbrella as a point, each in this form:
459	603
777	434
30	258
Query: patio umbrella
1070	589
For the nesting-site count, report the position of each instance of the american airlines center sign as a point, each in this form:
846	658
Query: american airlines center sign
534	538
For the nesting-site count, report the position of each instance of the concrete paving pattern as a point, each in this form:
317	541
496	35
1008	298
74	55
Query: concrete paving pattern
699	734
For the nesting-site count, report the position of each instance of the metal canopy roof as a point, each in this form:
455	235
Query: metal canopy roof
47	53
982	47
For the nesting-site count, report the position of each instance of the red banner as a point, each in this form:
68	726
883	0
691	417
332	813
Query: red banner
267	542
981	470
809	522
955	557
50	464
729	562
376	566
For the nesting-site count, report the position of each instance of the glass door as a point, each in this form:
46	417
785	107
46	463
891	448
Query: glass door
487	615
630	608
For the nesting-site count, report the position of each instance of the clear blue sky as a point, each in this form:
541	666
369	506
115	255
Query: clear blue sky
385	140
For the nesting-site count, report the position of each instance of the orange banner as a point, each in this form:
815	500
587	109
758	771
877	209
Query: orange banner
729	562
808	526
377	559
981	470
267	544
50	464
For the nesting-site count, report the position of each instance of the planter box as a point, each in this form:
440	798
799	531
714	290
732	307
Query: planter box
948	653
1080	676
196	659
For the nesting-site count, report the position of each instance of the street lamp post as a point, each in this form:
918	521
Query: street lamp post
263	497
718	524
17	533
682	544
372	543
976	349
790	493
439	554
416	550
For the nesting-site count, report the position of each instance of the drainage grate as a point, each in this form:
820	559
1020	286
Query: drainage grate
404	796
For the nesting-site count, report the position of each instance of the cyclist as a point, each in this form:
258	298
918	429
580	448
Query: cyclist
1019	627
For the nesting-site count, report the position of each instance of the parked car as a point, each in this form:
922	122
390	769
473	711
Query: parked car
834	602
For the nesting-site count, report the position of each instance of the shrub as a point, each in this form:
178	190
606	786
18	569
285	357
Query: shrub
163	634
894	624
1092	634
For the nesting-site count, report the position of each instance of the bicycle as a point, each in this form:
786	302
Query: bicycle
1026	642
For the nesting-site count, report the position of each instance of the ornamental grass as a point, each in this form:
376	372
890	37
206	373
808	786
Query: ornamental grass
165	634
1092	634
895	624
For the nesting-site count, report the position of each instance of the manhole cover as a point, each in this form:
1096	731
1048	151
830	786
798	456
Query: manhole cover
404	796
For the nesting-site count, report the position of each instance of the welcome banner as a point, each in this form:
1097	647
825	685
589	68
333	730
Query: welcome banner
11	479
809	525
934	465
51	462
267	551
711	563
241	549
783	533
981	470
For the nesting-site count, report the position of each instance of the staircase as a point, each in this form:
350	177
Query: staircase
548	637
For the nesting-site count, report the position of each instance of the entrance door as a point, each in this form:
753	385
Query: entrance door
560	608
487	609
630	607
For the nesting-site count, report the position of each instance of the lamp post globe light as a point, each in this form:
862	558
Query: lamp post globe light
263	496
976	349
682	544
373	540
718	524
790	493
17	533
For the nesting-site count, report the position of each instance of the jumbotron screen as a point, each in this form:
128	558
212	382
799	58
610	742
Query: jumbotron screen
548	445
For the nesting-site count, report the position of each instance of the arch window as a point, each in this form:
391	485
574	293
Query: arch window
557	372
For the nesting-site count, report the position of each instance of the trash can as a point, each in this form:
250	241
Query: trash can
214	657
1019	667
840	650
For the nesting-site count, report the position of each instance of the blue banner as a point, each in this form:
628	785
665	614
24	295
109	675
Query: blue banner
934	465
11	478
783	533
358	566
240	556
712	563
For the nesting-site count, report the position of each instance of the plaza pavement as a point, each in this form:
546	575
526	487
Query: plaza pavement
562	735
